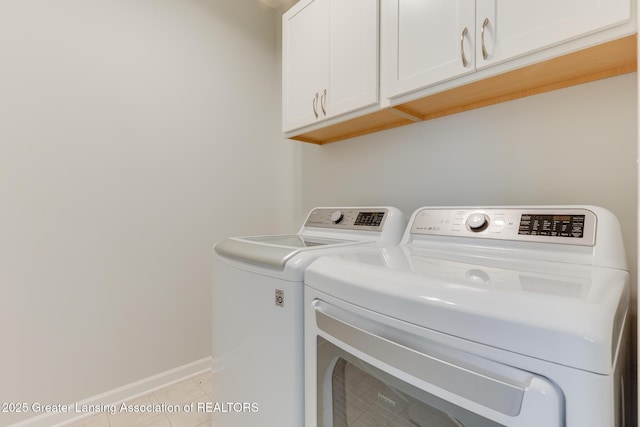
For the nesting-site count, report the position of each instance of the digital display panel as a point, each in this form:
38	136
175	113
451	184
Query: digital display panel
371	219
552	225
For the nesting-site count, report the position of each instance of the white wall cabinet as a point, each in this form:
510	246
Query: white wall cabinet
510	28
329	60
428	42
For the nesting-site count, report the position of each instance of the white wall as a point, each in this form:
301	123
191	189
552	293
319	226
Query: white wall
133	135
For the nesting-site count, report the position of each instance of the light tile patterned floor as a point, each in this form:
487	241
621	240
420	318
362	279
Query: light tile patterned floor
193	393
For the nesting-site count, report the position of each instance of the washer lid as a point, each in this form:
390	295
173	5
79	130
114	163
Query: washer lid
272	251
566	314
325	227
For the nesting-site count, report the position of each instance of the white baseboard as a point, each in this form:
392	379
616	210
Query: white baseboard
121	394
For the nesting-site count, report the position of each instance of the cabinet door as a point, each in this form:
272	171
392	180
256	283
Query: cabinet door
511	28
353	56
305	59
427	42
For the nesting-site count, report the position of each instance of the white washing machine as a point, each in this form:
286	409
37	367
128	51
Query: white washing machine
482	317
258	375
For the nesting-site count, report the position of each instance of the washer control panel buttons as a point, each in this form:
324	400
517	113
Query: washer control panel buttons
372	219
573	226
477	222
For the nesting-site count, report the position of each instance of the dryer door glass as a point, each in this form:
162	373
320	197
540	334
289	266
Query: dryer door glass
375	370
352	393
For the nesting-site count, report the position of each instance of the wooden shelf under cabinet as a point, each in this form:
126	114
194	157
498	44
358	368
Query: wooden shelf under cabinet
606	60
369	123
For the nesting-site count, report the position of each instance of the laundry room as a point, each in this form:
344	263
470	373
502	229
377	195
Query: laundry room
136	135
577	145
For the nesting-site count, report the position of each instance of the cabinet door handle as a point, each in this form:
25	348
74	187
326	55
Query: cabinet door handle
465	61
315	105
485	24
323	101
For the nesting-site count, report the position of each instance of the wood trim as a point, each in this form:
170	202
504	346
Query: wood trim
598	62
374	122
606	60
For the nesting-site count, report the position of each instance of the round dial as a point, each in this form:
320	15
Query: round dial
337	216
477	221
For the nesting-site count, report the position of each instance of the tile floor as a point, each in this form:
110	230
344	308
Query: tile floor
194	392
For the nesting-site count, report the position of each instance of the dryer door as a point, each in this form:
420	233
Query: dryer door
371	369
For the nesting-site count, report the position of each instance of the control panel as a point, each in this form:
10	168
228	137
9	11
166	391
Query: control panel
347	218
550	225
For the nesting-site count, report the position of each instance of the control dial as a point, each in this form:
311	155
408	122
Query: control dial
337	217
477	221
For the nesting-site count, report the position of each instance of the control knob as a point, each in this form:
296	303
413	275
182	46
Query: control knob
477	221
337	217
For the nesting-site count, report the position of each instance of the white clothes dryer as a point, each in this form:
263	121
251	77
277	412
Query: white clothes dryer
481	317
258	349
